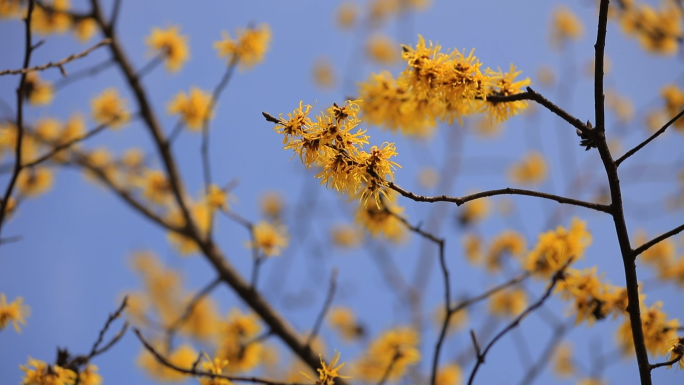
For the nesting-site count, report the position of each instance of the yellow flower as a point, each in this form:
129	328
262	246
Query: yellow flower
45	22
347	13
241	357
378	222
592	299
214	366
382	49
34	181
449	375
156	187
343	321
677	350
531	169
473	249
37	91
44	374
474	211
346	236
659	332
13	312
565	25
47	130
397	346
555	248
546	76
108	108
271	204
203	322
674	104
170	44
85	29
506	85
564	365
508	303
269	238
193	108
248	48
10	9
89	376
184	356
323	73
241	326
507	242
217	198
327	373
661	256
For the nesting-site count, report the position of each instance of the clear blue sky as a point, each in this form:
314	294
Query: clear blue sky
71	266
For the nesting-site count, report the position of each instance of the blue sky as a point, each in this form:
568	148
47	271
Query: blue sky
71	266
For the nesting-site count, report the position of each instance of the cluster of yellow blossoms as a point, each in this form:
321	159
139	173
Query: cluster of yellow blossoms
170	45
555	248
51	17
397	348
248	48
436	86
331	143
658	31
593	300
37	372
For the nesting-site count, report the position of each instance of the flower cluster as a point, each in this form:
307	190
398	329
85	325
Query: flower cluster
659	331
437	86
334	142
396	349
593	300
13	312
555	248
248	48
328	373
658	31
170	45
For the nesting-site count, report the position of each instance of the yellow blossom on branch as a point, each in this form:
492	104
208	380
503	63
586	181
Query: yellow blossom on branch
14	312
269	238
328	373
37	91
89	376
382	50
171	45
193	108
183	356
554	248
508	303
214	366
531	169
398	347
565	25
55	20
108	108
248	48
34	181
85	29
37	372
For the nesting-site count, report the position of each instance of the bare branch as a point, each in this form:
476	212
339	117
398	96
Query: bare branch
58	64
647	141
481	356
657	240
194	372
667	363
324	310
66	145
505	191
113	316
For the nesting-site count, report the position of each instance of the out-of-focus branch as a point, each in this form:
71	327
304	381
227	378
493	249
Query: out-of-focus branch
84	73
194	372
96	350
60	64
647	141
505	191
657	240
481	355
171	329
324	310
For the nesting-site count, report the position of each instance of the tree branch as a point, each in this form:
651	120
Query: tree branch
58	64
647	141
657	240
324	310
505	191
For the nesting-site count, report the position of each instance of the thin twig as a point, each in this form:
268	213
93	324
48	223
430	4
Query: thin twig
647	141
113	316
324	310
58	64
667	363
204	149
20	117
657	240
115	15
194	372
66	145
147	68
84	73
481	356
505	191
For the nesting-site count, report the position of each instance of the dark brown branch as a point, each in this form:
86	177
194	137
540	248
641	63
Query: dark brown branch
113	316
481	356
490	292
647	141
505	191
194	372
599	53
20	116
58	64
667	363
115	15
324	310
657	240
